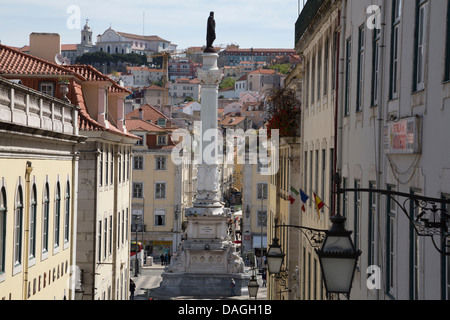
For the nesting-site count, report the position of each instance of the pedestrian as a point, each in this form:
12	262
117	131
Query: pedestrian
169	256
233	285
166	260
132	289
264	278
162	258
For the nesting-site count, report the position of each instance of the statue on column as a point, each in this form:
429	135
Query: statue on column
210	34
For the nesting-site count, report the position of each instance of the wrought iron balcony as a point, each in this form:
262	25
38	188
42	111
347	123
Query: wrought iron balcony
305	18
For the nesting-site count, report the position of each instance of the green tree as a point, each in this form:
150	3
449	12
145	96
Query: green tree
227	83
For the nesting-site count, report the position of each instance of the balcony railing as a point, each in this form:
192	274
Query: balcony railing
308	13
27	107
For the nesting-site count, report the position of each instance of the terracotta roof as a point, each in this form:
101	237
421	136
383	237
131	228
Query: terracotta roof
18	63
154	87
91	74
149	113
138	37
141	125
263	71
86	123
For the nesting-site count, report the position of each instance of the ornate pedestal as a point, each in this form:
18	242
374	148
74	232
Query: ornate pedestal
207	260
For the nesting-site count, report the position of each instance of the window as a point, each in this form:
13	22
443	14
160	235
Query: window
160	217
18	216
261	191
324	169
138	163
141	141
107	166
112	166
326	66
45	216
99	256
371	227
344	198
319	72
447	46
420	45
348	66
360	84
261	218
3	211
390	245
162	140
57	215
33	215
160	190
105	236
138	190
160	163
100	167
445	260
414	267
376	65
47	88
395	45
67	214
161	122
110	234
357	199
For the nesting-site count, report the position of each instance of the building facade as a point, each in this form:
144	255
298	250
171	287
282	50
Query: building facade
38	194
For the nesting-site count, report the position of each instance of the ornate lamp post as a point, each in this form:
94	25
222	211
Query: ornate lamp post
253	285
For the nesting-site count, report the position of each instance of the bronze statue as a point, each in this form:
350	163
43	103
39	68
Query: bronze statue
210	33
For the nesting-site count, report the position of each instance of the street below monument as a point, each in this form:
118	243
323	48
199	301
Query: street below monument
150	278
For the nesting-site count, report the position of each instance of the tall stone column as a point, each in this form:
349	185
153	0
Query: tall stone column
208	176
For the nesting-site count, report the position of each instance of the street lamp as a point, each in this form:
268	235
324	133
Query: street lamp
275	257
338	258
253	285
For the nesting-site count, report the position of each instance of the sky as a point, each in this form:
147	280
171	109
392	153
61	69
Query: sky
248	23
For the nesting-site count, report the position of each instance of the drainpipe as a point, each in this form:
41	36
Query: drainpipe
380	121
340	91
26	223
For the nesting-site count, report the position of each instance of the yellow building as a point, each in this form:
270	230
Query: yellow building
161	189
254	210
38	188
285	210
100	265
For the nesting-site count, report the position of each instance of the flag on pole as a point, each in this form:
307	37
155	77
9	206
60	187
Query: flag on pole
319	204
292	200
304	198
294	191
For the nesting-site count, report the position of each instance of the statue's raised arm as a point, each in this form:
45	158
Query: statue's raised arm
210	33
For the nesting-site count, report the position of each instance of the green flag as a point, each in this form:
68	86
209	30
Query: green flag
294	191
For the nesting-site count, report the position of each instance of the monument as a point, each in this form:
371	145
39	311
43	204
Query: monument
207	259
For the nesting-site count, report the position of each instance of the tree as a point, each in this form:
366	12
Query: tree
227	83
284	112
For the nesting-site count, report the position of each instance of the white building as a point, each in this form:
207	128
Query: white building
393	78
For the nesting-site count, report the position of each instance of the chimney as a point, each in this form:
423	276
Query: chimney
141	114
45	45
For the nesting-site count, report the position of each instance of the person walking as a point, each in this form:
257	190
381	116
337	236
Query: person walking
132	289
233	285
162	258
264	278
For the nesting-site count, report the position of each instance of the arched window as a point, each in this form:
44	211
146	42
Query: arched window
18	220
33	215
45	213
67	214
57	215
2	229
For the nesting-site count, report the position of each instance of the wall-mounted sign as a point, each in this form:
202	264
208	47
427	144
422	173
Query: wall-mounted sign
403	136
